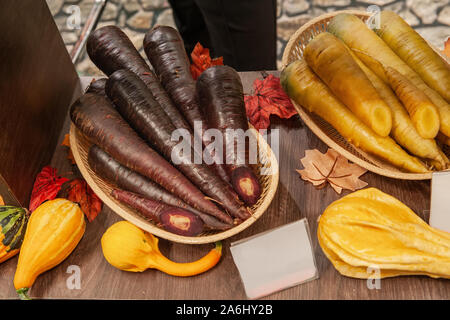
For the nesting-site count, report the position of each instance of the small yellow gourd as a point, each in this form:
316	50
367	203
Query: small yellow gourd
371	229
129	248
54	230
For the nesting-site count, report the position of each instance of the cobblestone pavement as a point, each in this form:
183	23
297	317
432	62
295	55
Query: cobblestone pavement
431	18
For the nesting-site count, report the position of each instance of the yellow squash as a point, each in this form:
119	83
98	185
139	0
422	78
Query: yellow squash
54	230
129	248
371	229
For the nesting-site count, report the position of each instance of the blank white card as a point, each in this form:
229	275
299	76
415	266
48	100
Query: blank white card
440	201
275	260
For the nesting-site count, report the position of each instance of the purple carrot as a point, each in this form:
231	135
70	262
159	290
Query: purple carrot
97	119
219	91
137	105
110	49
97	86
173	219
110	170
164	48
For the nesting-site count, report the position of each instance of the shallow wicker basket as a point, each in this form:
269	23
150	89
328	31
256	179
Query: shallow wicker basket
269	182
322	129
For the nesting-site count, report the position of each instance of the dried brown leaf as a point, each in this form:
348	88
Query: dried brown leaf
332	168
66	143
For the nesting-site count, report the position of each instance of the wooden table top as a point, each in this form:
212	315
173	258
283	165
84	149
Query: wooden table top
294	200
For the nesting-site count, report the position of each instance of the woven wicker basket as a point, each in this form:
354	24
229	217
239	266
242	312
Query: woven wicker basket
322	129
80	148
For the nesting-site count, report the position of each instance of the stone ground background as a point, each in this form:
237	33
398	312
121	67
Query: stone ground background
431	18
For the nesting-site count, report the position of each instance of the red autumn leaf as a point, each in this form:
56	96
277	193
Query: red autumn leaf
78	191
201	60
195	71
268	98
46	186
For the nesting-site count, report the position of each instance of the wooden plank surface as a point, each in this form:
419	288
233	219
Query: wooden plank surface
38	81
295	199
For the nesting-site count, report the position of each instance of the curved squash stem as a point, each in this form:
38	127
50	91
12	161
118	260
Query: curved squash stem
188	269
23	293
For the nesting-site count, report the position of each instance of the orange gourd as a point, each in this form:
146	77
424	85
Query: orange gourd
54	230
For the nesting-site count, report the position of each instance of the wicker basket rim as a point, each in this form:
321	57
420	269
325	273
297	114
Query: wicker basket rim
139	221
291	45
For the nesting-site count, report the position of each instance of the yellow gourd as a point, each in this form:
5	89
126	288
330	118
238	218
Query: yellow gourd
54	230
371	229
129	248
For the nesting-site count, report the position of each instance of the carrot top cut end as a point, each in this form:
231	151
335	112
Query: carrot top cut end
382	120
427	121
246	185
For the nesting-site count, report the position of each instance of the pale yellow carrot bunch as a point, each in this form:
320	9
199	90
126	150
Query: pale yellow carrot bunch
380	90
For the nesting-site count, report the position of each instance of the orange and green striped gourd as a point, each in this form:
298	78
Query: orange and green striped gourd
13	222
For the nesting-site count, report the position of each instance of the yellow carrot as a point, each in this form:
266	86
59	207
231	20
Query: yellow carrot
330	60
358	36
415	52
304	87
422	111
403	130
373	64
436	164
